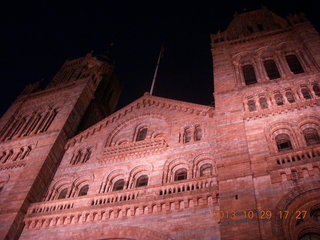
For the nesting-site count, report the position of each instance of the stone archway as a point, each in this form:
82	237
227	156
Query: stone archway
302	198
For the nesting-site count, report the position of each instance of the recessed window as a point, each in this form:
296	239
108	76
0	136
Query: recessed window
142	181
316	89
118	185
271	69
197	133
290	97
294	64
252	105
306	93
311	136
180	174
83	190
206	170
187	134
249	74
142	134
263	103
63	193
283	142
1	188
279	99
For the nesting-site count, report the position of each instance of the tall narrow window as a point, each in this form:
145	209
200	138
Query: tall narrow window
197	133
8	156
294	64
306	93
251	105
263	103
249	74
311	136
142	134
283	142
180	174
1	187
142	181
187	135
63	193
279	99
83	190
316	89
118	185
290	97
271	69
206	170
86	156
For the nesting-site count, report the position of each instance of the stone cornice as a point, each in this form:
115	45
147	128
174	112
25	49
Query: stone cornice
142	102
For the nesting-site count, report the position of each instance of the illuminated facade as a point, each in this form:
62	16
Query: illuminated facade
165	169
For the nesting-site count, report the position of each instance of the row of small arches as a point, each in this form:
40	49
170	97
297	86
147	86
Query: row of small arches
272	71
13	155
279	99
22	126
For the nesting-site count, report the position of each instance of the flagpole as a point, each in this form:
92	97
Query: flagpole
155	72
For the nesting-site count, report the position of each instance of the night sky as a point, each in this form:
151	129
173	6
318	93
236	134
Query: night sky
37	38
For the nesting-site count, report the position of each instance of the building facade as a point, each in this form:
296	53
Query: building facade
158	168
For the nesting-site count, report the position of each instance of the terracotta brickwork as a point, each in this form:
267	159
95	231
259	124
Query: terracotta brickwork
247	168
34	132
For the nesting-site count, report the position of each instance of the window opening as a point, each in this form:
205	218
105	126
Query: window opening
118	185
271	69
249	74
294	64
180	174
283	142
311	136
142	181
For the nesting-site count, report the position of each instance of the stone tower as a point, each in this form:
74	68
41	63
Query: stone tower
35	129
266	76
165	169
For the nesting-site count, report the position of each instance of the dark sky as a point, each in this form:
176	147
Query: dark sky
36	38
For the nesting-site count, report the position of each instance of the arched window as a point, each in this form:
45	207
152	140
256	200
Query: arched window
263	103
142	134
279	99
63	193
316	89
187	135
252	105
118	185
311	136
249	74
206	170
294	64
306	93
290	97
8	156
83	190
197	133
283	142
315	214
271	69
180	174
87	156
142	181
310	236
